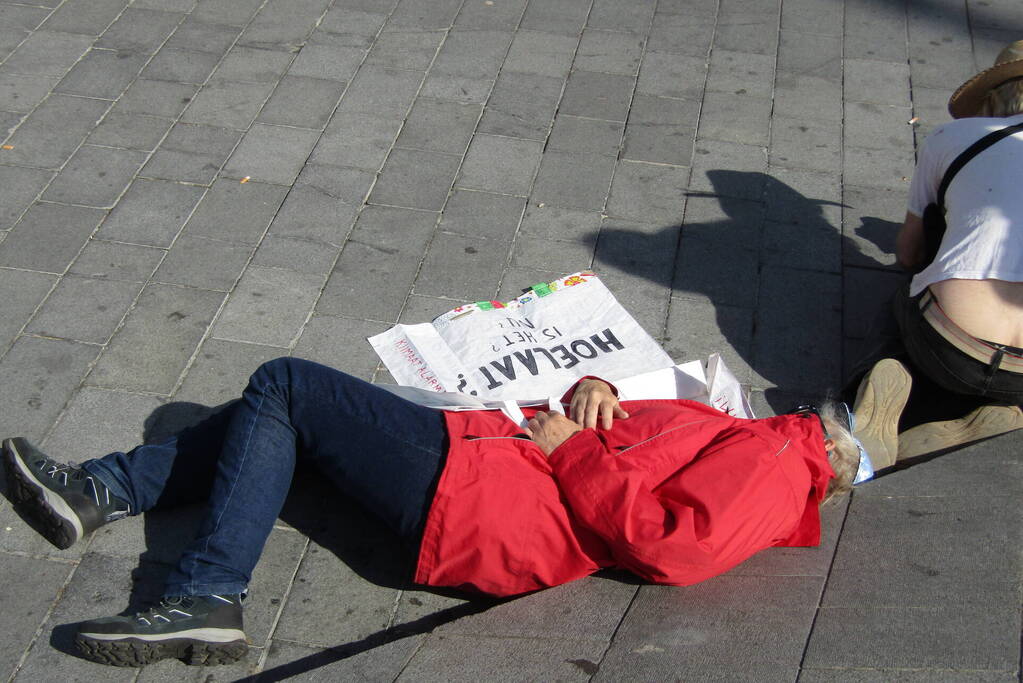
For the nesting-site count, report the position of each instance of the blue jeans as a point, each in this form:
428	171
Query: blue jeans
383	451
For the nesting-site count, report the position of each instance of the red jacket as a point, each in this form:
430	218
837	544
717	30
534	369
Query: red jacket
677	493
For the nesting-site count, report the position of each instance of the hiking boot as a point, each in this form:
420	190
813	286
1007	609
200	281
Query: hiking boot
880	399
982	423
66	500
200	629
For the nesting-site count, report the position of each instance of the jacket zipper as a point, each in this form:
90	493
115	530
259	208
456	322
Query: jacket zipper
521	437
659	434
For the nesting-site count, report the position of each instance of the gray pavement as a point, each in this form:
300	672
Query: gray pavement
189	188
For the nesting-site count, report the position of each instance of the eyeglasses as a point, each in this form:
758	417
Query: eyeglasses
865	469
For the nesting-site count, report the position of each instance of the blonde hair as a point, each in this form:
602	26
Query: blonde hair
845	456
1005	100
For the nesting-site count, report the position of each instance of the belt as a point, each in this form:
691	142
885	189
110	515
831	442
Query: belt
978	349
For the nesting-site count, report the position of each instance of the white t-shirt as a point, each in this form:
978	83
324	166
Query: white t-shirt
984	203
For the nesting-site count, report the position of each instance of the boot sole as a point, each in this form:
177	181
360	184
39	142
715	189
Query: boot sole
59	524
135	652
888	385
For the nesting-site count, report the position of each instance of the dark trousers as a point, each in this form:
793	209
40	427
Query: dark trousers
381	450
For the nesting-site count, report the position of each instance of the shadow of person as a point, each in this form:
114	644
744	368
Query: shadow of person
756	275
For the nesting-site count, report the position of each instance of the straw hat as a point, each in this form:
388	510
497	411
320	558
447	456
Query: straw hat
968	99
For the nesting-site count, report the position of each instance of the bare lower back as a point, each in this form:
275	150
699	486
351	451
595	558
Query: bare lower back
987	309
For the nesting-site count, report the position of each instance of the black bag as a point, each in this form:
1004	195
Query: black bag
934	213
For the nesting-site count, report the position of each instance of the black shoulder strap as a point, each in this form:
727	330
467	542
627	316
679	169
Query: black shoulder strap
970	152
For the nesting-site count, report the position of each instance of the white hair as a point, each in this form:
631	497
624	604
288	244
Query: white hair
1005	100
845	456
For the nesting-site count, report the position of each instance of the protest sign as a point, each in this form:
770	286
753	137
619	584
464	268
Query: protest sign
537	345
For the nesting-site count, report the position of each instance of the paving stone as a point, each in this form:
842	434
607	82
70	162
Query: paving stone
307	619
352	26
383	662
735	118
915	638
729	170
47	53
811	16
102	73
271	154
868	81
505	15
705	272
302	102
901	675
500	164
359	140
20	186
519	279
741	73
299	255
877	168
795	94
522	105
203	263
30	606
79	16
482	214
156	98
609	51
181	66
405	49
130	131
579	181
116	261
95	176
933	552
810	54
550	255
236	212
82	309
23	292
158	337
385	93
222	369
570	225
695	329
192	153
689	34
871	219
253	65
227	104
234	12
797	311
151	212
439	126
597	95
608	14
472	54
671	75
269	306
648	192
880	127
66	228
558	16
139	29
284	24
99	421
462	266
327	62
381	256
22	93
741	32
869	47
457	88
415	179
23	17
426	14
867	293
470	658
323	204
659	143
11	38
196	34
40	375
340	343
806	143
636	261
935	72
702	623
592	136
53	131
546	54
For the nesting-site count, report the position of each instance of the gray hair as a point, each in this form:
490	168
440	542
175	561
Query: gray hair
845	457
1005	100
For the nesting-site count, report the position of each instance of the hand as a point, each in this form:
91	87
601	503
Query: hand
593	398
550	430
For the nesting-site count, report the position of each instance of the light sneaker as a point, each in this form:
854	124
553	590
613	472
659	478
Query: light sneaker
66	500
880	400
200	629
982	423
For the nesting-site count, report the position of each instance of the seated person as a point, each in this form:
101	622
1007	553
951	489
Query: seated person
672	490
954	350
